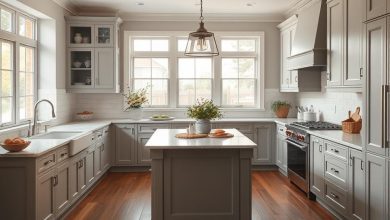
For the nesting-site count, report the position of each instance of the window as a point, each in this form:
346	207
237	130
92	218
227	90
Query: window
17	67
232	80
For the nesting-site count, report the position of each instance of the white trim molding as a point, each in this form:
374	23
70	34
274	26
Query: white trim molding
67	5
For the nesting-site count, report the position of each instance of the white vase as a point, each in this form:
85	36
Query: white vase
78	38
202	126
136	113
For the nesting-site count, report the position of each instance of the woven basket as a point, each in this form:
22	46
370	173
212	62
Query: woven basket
351	126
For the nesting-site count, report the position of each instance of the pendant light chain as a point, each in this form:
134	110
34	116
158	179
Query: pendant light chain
201	10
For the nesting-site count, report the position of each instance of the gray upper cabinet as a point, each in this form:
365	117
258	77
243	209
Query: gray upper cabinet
93	54
45	194
354	42
376	8
376	187
345	44
356	185
317	179
264	138
288	78
125	143
376	107
335	12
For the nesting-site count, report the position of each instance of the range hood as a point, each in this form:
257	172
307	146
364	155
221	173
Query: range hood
309	43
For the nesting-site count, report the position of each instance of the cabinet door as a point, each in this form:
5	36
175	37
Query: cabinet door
97	168
80	35
89	166
45	196
317	183
284	161
285	40
294	73
104	68
376	79
81	174
375	8
61	185
81	68
125	144
104	35
375	187
335	31
356	184
73	178
279	150
105	150
143	154
354	42
264	138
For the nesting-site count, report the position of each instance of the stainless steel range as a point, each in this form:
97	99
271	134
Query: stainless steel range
298	155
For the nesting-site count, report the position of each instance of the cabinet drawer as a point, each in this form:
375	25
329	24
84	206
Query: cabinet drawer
63	153
151	128
336	197
336	171
243	128
336	150
180	125
47	161
281	129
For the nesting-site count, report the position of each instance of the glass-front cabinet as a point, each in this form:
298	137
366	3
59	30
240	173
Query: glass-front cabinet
93	54
104	35
81	67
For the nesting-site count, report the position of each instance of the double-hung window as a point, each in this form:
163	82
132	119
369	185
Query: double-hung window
232	80
150	68
18	48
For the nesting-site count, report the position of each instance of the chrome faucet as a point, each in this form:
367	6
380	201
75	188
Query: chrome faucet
53	114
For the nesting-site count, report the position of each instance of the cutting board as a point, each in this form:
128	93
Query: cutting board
190	136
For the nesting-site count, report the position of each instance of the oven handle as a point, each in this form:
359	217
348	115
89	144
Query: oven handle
296	145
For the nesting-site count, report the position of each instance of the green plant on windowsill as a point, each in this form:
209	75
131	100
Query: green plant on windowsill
281	108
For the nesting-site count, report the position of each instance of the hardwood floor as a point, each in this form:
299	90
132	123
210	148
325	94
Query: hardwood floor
127	196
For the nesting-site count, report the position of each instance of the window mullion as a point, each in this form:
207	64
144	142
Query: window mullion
16	83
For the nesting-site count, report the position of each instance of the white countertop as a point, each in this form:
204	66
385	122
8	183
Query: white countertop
164	139
39	147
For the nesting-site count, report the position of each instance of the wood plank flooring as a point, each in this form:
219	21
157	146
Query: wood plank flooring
127	196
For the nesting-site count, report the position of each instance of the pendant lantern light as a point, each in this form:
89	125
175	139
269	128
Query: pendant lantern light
201	43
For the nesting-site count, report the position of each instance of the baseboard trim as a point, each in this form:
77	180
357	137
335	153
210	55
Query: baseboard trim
333	212
134	169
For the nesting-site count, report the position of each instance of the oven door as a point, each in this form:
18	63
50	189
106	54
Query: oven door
297	163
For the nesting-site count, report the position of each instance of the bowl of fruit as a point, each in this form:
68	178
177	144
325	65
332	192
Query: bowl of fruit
15	145
161	117
84	116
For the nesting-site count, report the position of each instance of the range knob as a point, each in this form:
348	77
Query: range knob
300	137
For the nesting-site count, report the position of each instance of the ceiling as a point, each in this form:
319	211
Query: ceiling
233	7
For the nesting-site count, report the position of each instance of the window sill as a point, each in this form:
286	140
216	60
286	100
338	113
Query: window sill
222	109
21	127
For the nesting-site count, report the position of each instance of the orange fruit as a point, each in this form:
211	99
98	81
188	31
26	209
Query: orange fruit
8	141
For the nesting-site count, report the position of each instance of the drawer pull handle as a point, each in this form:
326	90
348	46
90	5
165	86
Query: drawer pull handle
281	129
334	195
100	135
336	151
334	170
64	154
48	162
81	164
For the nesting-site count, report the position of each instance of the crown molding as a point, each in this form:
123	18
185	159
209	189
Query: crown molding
195	17
295	6
67	5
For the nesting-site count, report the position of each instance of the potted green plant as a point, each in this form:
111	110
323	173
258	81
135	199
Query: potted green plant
203	111
134	101
281	108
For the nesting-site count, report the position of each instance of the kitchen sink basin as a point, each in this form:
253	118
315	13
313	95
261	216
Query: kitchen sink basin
57	135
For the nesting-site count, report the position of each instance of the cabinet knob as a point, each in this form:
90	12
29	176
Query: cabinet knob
334	195
334	170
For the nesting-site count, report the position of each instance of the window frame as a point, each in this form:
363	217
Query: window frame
18	41
216	85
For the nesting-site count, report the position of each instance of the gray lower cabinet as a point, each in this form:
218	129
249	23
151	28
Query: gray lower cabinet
89	165
356	184
143	154
106	149
97	159
45	196
375	187
281	149
317	178
125	145
264	138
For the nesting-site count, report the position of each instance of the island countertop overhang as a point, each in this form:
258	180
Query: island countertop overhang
164	139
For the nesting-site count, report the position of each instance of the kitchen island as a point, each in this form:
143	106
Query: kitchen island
206	178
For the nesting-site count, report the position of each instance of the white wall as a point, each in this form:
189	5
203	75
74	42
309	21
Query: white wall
110	106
